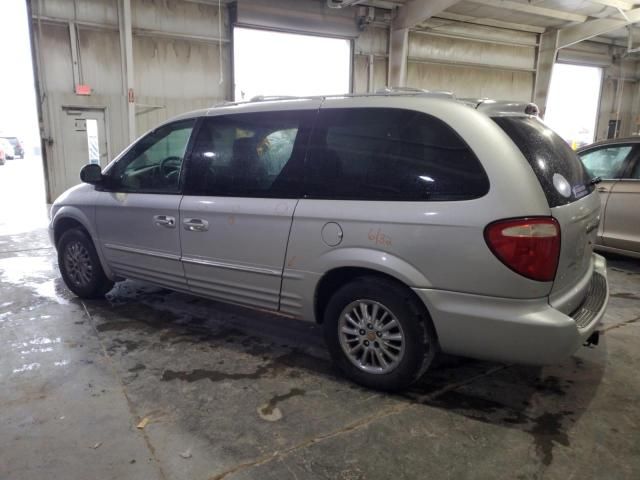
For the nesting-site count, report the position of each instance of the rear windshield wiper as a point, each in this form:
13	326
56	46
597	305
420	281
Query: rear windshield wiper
595	180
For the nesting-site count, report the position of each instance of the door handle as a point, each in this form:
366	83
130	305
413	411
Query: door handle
164	221
195	225
603	189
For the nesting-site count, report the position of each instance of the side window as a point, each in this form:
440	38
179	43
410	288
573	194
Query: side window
605	162
154	164
249	155
390	154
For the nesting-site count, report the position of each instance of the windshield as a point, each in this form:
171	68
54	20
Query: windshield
558	168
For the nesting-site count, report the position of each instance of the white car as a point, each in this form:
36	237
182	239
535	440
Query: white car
7	148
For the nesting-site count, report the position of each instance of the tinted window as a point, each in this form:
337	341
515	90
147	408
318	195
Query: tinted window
390	154
252	155
605	162
153	165
635	173
558	168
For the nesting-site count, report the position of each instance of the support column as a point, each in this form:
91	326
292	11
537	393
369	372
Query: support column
73	41
370	74
547	52
126	40
398	52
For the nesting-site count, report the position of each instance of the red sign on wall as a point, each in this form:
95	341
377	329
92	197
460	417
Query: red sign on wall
83	90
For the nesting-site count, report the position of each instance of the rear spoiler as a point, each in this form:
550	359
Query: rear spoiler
501	107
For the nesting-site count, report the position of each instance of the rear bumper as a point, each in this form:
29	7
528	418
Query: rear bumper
520	331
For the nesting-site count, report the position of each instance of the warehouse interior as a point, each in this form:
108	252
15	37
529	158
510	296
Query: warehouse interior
145	62
151	383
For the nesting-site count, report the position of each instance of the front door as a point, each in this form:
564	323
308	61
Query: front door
608	162
622	226
137	211
243	183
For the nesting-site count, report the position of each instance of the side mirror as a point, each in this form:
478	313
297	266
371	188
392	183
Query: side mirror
91	173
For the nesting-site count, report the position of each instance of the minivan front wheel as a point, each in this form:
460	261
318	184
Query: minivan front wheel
378	334
80	266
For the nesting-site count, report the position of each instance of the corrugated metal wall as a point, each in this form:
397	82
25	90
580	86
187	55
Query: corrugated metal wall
473	61
176	66
469	60
371	45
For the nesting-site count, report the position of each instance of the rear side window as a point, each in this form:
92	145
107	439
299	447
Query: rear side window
390	154
249	155
559	170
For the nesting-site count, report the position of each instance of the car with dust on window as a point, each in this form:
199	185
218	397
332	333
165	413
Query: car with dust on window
406	223
16	145
617	164
7	149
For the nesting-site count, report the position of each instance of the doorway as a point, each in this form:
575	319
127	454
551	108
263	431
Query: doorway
84	140
572	107
274	63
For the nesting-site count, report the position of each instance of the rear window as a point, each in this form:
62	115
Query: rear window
558	168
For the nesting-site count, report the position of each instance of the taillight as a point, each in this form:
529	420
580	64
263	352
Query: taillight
528	246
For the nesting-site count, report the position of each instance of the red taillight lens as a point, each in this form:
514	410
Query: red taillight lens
529	246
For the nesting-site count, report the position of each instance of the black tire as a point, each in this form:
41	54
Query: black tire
75	244
420	341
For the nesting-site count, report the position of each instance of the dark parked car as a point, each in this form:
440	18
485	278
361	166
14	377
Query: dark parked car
17	146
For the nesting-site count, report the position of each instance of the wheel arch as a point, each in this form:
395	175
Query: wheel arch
337	277
64	224
69	217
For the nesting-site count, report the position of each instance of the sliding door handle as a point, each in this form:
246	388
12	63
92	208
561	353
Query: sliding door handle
164	221
195	225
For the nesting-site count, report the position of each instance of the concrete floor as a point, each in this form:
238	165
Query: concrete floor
227	393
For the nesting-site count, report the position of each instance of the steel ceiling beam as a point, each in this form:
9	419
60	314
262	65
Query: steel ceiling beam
621	4
577	33
532	9
414	12
489	22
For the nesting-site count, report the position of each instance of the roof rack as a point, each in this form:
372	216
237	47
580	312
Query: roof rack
266	98
414	91
386	91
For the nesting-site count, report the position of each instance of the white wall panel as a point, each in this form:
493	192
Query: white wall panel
471	82
434	47
100	61
373	40
171	16
56	56
95	11
178	68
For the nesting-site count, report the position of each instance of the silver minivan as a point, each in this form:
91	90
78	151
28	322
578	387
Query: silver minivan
406	224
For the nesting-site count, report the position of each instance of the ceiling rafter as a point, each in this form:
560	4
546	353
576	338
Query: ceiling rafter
490	22
621	4
414	12
532	9
573	34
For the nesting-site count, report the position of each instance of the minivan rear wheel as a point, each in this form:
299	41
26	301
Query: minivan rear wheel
80	266
378	334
